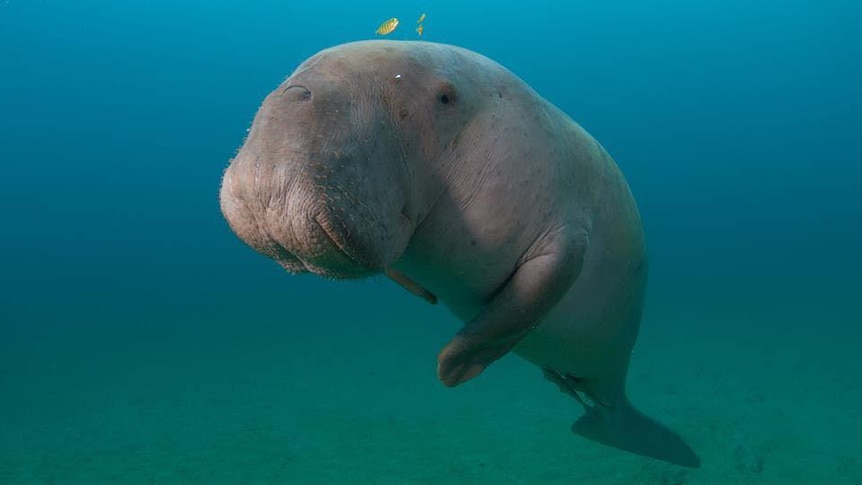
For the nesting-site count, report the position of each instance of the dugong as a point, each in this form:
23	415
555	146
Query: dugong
441	169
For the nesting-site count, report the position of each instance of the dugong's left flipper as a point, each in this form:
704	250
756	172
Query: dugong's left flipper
531	291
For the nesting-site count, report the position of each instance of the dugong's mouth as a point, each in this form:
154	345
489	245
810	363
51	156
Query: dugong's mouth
327	251
338	241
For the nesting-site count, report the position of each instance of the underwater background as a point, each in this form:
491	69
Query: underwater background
142	343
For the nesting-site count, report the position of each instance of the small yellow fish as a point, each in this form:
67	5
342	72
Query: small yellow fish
419	30
421	19
387	27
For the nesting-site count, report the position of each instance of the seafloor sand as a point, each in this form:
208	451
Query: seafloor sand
213	397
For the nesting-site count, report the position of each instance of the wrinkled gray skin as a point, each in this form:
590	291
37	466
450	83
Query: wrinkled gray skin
442	169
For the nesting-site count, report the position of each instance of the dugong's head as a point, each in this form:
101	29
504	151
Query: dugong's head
337	169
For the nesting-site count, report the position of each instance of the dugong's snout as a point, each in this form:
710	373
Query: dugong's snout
293	229
321	183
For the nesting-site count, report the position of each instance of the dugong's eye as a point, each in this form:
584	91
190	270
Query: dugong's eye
446	94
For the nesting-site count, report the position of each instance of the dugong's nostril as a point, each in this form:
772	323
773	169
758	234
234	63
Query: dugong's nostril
296	92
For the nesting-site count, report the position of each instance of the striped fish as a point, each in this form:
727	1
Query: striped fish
387	27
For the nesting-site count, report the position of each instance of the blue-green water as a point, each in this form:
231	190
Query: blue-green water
142	342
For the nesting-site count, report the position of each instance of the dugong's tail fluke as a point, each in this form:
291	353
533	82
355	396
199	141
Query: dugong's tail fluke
622	426
610	419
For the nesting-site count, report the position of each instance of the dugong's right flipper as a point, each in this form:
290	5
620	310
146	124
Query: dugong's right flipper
408	284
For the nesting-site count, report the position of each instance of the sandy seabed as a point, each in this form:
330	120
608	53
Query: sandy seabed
219	396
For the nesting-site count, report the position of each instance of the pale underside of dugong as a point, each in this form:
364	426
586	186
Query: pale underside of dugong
440	168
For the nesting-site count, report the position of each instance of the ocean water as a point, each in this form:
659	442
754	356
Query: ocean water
142	343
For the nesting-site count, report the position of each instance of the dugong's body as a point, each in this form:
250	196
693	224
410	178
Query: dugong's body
440	168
